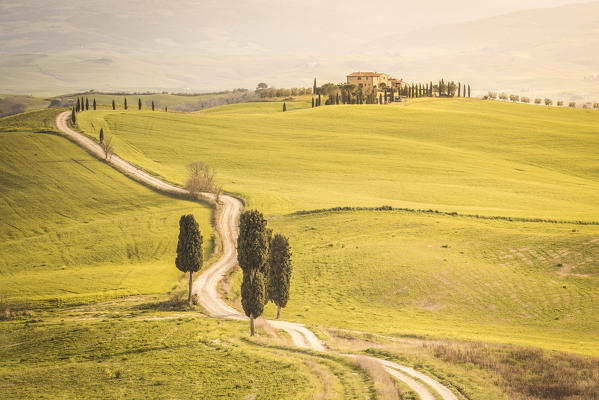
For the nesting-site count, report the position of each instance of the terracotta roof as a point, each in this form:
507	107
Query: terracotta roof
366	74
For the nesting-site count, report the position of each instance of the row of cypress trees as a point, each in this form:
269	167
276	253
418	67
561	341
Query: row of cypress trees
83	104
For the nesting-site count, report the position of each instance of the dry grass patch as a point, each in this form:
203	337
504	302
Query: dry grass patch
384	384
525	373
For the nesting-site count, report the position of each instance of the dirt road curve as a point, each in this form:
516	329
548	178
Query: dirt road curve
207	282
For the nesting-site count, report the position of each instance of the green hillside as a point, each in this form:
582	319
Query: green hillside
400	272
461	155
76	230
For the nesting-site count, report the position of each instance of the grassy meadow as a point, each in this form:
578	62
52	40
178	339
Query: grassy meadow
402	273
76	230
459	155
127	351
399	272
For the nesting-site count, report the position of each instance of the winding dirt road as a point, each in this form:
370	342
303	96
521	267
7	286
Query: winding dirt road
206	284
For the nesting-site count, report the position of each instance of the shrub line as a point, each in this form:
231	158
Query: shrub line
449	213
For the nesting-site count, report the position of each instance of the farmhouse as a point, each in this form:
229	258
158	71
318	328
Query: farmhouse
374	80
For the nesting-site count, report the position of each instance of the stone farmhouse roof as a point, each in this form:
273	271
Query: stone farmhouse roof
366	74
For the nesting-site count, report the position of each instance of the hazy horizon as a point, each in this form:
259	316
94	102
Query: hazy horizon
526	46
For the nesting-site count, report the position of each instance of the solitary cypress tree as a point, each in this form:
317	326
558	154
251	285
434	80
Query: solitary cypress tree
73	116
113	105
139	103
314	88
101	135
125	103
468	90
252	254
459	89
284	107
94	104
189	249
152	105
312	101
279	279
86	104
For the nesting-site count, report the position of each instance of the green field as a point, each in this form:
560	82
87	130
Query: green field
524	283
454	155
127	353
76	230
402	273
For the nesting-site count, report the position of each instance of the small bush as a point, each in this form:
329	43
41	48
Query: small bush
537	101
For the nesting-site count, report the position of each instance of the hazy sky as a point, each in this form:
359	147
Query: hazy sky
238	26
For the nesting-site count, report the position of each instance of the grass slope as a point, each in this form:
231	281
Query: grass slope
113	356
460	155
403	273
73	228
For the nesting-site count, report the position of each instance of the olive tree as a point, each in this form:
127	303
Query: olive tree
189	249
279	271
252	253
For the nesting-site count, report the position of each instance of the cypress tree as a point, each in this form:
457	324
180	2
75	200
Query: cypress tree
152	105
189	249
391	95
459	89
165	109
139	103
101	135
73	116
380	98
113	105
252	255
280	268
86	104
468	90
312	101
82	105
284	107
77	108
314	88
318	99
94	104
337	98
431	86
125	103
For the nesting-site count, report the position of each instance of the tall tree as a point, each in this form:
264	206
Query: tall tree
94	104
139	103
284	107
77	106
468	90
73	116
252	253
152	105
86	104
279	277
312	101
113	105
125	103
314	88
318	103
101	135
459	89
189	249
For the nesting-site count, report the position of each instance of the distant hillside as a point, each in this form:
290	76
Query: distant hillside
545	51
